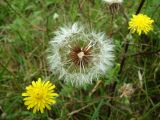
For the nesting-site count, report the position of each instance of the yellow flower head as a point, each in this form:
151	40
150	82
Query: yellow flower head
140	23
39	95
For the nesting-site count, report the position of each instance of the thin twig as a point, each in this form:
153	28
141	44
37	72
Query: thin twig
95	87
78	110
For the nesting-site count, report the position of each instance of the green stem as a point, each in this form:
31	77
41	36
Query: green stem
123	58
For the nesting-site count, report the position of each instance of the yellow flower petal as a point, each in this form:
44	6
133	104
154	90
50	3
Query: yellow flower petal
39	95
141	24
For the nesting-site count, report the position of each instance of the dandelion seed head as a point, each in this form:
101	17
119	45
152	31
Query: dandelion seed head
79	56
126	90
113	5
113	1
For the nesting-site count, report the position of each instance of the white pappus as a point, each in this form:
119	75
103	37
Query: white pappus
79	56
113	1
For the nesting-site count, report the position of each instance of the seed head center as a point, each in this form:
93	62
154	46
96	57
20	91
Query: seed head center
80	55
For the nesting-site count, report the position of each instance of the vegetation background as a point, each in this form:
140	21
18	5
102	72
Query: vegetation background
26	27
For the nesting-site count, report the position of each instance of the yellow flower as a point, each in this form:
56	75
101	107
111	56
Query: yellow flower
39	95
140	23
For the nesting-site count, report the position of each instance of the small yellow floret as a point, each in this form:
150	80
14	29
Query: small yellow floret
39	95
140	23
